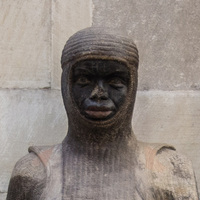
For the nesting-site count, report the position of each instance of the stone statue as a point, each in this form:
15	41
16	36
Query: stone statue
100	158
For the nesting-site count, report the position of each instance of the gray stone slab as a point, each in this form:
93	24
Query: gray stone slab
167	35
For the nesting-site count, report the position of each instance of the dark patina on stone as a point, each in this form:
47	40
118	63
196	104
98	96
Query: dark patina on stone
100	158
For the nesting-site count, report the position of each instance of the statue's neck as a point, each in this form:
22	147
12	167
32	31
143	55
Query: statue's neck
100	138
99	164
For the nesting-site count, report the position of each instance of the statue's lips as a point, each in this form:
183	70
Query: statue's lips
98	112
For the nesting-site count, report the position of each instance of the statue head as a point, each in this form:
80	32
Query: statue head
99	79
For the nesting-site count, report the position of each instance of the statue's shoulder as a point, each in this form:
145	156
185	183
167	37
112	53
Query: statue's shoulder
170	172
163	158
35	162
45	153
150	151
30	173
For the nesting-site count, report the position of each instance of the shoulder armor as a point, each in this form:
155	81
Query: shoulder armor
43	152
151	150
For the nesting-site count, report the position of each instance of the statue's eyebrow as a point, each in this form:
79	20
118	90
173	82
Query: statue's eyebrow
82	70
118	71
122	75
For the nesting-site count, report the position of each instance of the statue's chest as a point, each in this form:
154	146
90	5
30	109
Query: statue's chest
107	179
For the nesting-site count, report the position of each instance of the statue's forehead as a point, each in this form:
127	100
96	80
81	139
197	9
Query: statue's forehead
97	66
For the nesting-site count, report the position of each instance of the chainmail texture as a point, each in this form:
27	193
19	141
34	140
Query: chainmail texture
95	42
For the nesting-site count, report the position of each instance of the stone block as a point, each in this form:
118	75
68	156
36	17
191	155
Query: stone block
25	44
167	35
3	196
27	118
172	118
67	18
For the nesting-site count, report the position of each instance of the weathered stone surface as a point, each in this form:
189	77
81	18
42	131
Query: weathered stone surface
167	35
170	117
30	51
28	117
32	37
73	16
25	44
100	157
3	196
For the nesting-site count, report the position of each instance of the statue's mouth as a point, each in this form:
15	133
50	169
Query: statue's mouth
96	112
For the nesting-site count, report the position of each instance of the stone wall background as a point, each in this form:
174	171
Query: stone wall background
168	38
33	34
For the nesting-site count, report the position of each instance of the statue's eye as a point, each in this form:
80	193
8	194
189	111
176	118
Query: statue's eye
116	82
82	80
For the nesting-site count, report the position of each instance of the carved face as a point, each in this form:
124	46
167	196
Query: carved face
99	87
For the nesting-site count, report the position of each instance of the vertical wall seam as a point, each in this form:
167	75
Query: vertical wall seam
91	12
51	44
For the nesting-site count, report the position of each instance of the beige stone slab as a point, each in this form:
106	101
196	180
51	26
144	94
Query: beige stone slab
3	196
25	44
28	117
67	18
167	35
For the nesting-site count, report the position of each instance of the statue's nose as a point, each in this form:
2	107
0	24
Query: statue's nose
99	92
